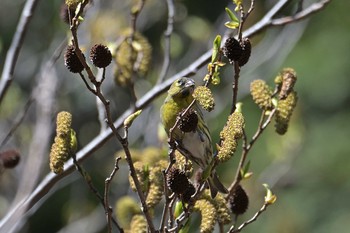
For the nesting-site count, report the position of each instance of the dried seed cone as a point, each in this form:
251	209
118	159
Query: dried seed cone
284	112
208	213
100	56
9	158
156	188
142	174
246	51
261	94
190	190
138	224
239	201
188	123
204	97
125	208
289	77
71	60
232	49
177	180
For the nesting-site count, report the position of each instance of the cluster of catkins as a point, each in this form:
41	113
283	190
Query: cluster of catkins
149	164
283	99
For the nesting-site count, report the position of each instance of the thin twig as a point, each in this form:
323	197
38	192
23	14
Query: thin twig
106	103
106	195
16	45
167	201
235	86
254	218
246	148
167	40
18	121
51	179
315	7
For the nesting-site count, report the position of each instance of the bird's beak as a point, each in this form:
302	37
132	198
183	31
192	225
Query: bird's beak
190	83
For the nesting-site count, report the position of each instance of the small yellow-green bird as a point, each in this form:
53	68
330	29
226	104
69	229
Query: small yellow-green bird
196	145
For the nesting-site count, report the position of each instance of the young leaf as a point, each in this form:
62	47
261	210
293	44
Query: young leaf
232	25
216	48
231	15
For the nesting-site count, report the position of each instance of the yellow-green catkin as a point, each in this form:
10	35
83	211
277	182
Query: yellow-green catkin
230	135
142	173
138	224
284	112
204	97
64	143
209	215
183	164
64	122
261	94
223	212
132	57
125	208
73	3
156	181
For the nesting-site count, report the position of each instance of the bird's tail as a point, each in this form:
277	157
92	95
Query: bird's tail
215	185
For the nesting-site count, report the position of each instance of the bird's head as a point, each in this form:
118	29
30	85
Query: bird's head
182	88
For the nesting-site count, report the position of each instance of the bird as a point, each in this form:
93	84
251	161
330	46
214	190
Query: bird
196	144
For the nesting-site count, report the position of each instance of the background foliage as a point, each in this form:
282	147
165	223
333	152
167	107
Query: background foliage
307	168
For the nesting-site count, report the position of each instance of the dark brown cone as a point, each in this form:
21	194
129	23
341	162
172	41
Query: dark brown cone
189	122
232	49
100	56
246	51
177	180
239	201
190	190
72	61
10	158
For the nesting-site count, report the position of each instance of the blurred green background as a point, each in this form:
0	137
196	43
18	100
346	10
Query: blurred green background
307	168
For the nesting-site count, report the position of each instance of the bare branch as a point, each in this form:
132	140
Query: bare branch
16	45
312	9
167	38
51	179
106	195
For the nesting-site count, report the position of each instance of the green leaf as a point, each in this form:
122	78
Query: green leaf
232	15
232	25
216	48
270	198
178	209
130	119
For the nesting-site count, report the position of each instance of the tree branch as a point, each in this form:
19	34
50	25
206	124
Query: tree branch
16	45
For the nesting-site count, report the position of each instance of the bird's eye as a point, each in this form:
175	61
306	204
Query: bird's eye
181	82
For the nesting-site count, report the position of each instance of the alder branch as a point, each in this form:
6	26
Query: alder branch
167	40
16	45
51	179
